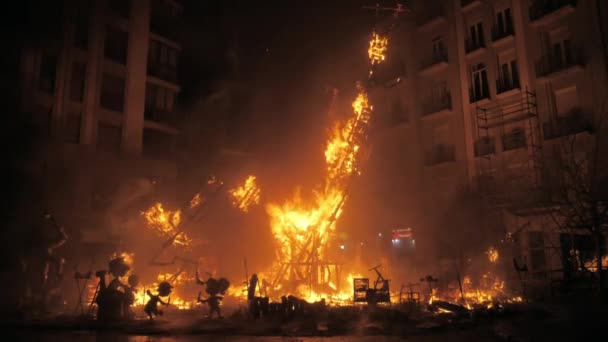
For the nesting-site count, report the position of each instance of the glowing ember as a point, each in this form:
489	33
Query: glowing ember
165	222
246	195
492	255
195	201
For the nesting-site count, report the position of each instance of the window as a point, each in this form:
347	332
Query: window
476	35
508	76
480	89
162	61
504	21
536	244
439	53
112	92
48	66
161	54
562	53
120	7
77	81
159	101
566	100
116	45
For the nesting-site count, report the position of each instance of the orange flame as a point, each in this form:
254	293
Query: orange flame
246	195
304	231
165	222
378	46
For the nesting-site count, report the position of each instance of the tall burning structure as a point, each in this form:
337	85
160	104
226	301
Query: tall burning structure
303	231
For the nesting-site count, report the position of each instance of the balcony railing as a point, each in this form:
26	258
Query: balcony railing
474	97
436	58
541	8
159	115
163	72
506	84
439	154
553	62
485	146
472	45
500	32
437	105
574	123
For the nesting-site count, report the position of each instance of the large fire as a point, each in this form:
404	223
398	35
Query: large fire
304	231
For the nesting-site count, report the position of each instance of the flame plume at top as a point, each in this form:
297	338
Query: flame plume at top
378	46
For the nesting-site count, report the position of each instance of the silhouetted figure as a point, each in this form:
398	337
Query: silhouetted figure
42	269
151	308
111	298
216	288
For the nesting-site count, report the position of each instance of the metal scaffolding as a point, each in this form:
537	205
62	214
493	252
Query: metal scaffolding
505	178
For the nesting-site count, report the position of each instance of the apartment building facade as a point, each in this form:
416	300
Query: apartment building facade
102	91
491	86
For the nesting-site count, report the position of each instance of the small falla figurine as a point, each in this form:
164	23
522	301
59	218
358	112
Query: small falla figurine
151	308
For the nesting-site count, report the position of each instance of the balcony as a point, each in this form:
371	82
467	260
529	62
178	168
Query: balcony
472	46
575	122
552	63
437	105
468	5
164	72
436	62
499	33
158	115
543	12
485	146
504	85
439	154
478	96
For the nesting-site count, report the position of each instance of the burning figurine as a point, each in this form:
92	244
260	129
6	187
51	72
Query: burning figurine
216	288
164	289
